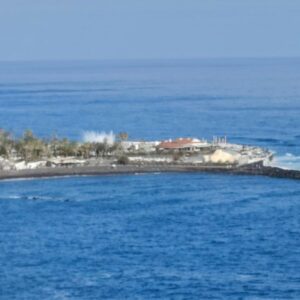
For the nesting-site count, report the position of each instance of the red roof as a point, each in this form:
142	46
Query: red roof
176	144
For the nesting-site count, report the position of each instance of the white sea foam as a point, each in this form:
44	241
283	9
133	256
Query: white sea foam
15	197
99	137
287	161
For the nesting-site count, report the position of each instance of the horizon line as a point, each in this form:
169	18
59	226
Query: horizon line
146	59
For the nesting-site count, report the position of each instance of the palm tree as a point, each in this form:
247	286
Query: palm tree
66	148
99	149
3	151
6	143
30	147
122	136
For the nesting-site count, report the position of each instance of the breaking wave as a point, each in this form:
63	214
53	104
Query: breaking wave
287	161
99	137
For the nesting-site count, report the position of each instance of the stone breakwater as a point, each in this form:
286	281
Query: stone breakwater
268	171
139	169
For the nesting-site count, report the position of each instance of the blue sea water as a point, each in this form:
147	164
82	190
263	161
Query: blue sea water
158	236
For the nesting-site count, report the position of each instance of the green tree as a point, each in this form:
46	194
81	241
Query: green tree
123	160
28	136
6	143
122	136
3	151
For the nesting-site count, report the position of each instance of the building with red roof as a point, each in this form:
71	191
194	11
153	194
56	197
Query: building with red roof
183	144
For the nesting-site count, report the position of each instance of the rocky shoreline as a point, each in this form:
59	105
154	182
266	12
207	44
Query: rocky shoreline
139	169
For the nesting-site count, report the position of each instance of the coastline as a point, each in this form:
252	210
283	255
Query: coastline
139	169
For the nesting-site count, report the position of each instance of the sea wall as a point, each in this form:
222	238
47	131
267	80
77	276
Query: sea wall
132	169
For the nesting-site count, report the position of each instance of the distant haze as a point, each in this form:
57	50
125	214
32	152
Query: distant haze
137	29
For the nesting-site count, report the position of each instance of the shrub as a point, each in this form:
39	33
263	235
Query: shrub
177	156
123	160
3	151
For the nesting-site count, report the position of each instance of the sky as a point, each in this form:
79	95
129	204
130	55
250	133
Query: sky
148	29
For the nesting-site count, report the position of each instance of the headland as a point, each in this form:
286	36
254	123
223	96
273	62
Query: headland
31	157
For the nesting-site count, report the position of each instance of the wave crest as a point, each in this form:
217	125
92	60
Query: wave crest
288	161
99	137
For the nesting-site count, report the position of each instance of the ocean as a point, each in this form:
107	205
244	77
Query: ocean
153	236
